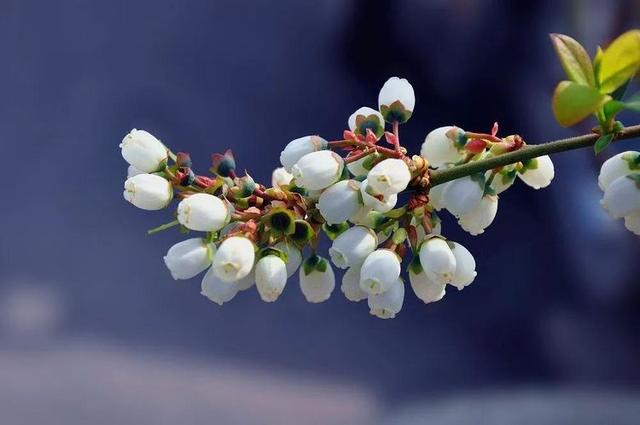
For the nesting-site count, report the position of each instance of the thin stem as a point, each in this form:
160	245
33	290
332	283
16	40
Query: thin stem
526	152
163	227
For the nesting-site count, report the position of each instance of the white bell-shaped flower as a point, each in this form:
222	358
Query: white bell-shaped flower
465	267
389	303
142	150
377	201
203	212
271	277
438	260
632	222
425	288
189	258
379	271
317	280
351	285
389	176
148	192
352	246
357	168
216	289
622	197
396	100
538	173
280	177
620	165
435	196
503	180
439	147
340	202
462	195
234	258
375	123
318	170
298	148
480	217
133	171
294	256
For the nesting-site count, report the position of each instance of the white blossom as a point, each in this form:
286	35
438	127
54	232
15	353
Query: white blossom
318	170
280	177
216	289
271	277
439	147
142	150
632	222
481	216
465	267
389	303
189	258
503	180
351	285
352	246
234	258
340	202
203	212
396	90
376	201
133	171
438	260
538	173
622	197
294	256
298	148
618	166
148	191
379	271
435	196
462	195
365	111
389	176
425	288
318	281
356	168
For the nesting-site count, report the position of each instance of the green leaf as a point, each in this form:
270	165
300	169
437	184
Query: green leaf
573	102
574	59
612	107
597	62
620	61
602	142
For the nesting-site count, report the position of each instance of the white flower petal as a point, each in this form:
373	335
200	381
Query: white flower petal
465	267
379	271
426	289
541	176
294	256
188	258
438	260
216	289
142	150
318	170
317	286
439	149
271	277
203	212
298	148
340	202
389	176
353	246
280	177
622	197
397	89
462	195
388	304
351	285
234	259
148	191
479	218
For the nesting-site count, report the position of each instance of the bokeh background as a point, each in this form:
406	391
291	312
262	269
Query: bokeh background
93	330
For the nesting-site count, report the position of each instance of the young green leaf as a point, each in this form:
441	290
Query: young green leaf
574	59
620	61
573	102
602	142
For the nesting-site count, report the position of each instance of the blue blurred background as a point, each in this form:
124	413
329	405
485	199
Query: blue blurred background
93	330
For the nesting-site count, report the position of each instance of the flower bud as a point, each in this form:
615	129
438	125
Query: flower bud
317	280
203	212
396	100
379	271
622	197
619	165
340	202
353	246
294	257
271	277
378	202
442	146
280	177
351	285
234	259
389	303
389	176
632	222
298	148
144	151
463	195
538	172
216	289
465	267
318	170
480	217
148	192
364	119
438	260
189	258
424	288
435	196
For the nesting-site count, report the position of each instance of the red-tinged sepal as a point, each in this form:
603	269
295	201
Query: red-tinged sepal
475	146
391	138
349	135
184	176
371	137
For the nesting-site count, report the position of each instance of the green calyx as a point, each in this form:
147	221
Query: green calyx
415	266
303	232
369	122
281	221
263	252
396	112
314	263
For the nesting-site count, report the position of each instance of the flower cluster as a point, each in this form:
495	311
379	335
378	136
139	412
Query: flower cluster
620	180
